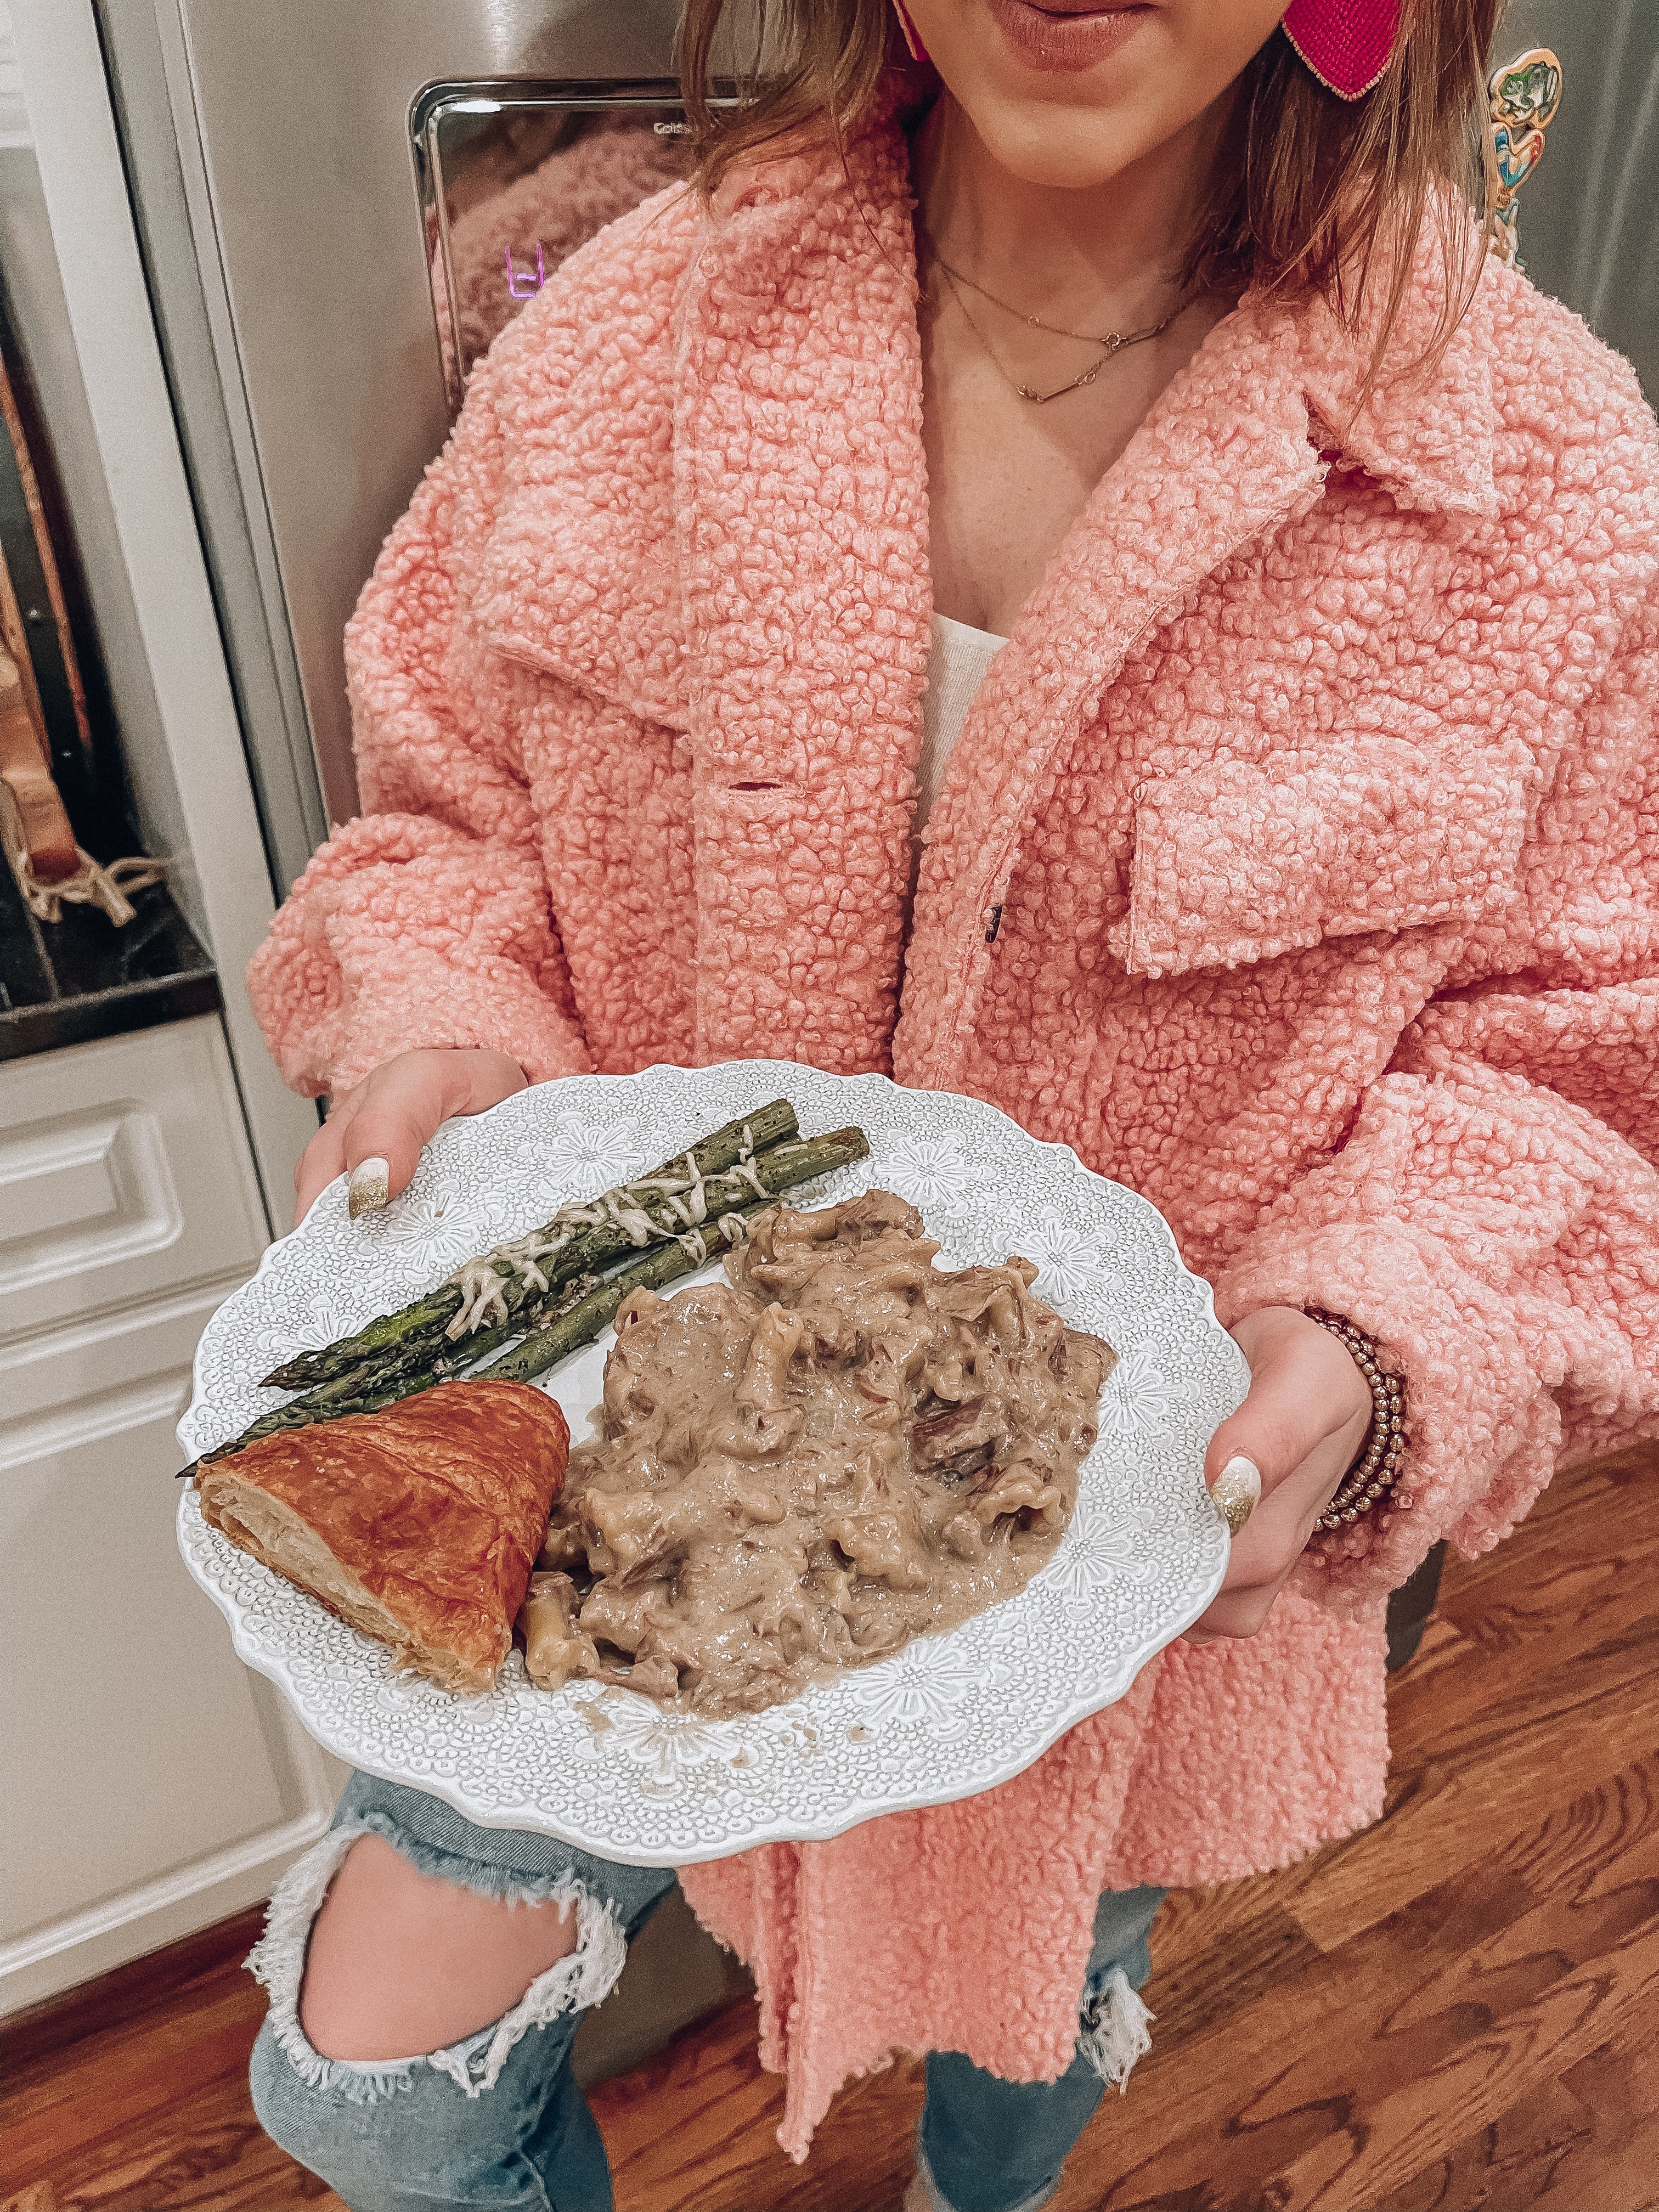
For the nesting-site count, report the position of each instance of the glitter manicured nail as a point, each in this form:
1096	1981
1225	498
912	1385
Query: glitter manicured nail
1237	1491
369	1187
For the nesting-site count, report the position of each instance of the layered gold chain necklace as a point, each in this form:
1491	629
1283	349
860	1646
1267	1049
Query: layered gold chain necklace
1111	342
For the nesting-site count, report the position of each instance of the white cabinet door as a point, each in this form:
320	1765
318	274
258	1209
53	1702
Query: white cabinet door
152	1783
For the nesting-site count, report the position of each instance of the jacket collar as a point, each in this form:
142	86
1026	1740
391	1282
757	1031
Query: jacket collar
598	572
800	506
1426	435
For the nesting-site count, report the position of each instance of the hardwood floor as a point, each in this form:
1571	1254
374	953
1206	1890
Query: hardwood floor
1458	2009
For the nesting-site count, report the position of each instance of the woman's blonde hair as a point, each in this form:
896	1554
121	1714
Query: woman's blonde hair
1307	194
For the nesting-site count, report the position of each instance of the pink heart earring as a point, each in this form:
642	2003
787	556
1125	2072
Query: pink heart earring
1347	43
918	52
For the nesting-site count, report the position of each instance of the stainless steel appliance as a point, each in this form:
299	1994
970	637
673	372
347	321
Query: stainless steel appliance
289	167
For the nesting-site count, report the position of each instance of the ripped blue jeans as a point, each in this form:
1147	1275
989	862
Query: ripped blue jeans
498	2121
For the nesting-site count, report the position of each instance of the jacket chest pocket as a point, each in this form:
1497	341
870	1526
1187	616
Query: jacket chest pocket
1234	863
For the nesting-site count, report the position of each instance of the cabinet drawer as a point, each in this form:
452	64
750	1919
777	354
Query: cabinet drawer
123	1176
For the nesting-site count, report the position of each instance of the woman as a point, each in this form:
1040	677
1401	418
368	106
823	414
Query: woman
1296	863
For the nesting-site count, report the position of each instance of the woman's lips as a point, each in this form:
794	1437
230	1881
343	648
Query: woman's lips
1061	37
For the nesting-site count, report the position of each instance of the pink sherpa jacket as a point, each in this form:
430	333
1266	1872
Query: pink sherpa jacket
1296	864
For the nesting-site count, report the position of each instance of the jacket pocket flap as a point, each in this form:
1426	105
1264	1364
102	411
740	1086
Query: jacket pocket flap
1234	863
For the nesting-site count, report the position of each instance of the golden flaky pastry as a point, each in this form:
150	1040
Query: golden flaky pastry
418	1525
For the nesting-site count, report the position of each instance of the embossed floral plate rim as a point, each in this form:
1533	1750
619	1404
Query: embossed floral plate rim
945	1718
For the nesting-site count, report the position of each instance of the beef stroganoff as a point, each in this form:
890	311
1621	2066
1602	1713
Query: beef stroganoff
798	1469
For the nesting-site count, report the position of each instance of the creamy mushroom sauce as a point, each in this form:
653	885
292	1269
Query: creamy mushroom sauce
799	1469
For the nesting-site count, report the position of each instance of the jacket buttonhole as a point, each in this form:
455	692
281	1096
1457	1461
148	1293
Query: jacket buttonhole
754	786
993	925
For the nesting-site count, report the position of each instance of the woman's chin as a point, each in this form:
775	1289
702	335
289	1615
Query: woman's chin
1044	144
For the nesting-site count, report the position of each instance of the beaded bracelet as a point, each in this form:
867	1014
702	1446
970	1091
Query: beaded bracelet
1374	1472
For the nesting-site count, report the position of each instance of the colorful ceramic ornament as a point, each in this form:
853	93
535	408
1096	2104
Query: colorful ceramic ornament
1525	95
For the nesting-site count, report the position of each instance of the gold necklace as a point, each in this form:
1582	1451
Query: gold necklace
1110	342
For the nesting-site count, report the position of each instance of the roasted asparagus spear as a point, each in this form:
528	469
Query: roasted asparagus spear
717	1173
566	1323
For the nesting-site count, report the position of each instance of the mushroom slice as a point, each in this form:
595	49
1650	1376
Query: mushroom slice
555	1647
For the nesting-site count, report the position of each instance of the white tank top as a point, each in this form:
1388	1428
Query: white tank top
956	666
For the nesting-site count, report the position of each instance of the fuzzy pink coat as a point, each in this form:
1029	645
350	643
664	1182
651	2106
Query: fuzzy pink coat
1296	864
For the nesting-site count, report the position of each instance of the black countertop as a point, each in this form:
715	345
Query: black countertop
68	982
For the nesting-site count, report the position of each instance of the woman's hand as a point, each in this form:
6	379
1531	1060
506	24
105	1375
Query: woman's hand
377	1130
1299	1429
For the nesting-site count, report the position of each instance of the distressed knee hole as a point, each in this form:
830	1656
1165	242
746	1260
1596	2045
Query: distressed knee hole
574	1950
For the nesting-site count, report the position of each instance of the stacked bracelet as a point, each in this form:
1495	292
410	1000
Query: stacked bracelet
1373	1472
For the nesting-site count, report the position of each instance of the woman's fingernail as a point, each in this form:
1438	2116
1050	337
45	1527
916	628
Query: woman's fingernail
370	1186
1237	1491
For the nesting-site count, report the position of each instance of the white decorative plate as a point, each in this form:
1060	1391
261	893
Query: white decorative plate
949	1716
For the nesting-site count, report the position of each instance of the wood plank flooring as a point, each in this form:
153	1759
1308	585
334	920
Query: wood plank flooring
1457	2010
